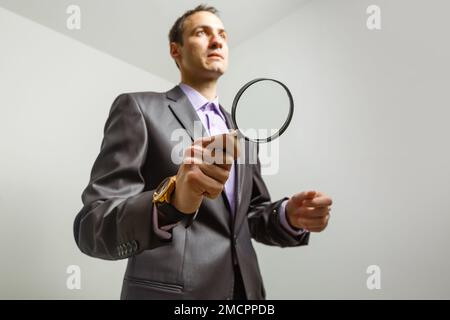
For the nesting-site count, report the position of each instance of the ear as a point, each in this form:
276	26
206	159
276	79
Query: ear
175	51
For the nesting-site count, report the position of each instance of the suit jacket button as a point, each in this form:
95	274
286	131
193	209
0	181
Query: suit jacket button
122	249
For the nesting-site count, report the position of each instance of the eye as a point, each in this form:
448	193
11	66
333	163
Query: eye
200	33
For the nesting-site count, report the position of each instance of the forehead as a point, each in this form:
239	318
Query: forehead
203	18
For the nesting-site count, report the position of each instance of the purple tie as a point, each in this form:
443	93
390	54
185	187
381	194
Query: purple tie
216	125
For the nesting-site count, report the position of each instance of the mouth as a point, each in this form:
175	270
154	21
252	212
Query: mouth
215	55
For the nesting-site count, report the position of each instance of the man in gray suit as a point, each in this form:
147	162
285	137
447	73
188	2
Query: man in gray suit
186	228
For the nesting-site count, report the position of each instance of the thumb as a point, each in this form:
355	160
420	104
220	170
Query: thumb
298	198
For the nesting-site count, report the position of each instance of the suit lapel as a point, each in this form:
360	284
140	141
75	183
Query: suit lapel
185	113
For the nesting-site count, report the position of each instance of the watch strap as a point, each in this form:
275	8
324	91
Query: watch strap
169	214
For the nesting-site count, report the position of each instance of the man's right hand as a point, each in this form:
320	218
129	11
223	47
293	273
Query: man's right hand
204	171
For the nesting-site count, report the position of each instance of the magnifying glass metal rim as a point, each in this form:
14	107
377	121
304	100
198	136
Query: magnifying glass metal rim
285	124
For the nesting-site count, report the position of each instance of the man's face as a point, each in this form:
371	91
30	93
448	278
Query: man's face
204	53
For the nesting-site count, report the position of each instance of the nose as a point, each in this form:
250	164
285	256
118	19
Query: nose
216	41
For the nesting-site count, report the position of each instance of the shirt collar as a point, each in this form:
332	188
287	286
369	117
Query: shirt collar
197	99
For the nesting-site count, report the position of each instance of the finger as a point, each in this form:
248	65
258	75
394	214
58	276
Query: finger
191	161
224	166
320	227
195	154
203	141
317	229
209	186
313	224
311	213
298	198
217	156
322	201
227	143
226	140
217	173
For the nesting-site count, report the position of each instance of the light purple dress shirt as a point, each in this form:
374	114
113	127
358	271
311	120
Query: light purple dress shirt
214	122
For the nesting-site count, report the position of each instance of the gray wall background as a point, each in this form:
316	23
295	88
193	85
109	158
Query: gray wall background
370	129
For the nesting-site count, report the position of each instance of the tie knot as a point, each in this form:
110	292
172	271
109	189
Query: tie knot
210	107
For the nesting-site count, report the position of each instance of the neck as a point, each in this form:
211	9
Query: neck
208	88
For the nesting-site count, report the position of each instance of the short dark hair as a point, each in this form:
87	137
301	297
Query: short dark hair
176	32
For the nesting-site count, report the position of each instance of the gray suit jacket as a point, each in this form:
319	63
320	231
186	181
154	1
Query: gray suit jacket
116	219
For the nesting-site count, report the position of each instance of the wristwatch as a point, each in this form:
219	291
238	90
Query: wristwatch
161	199
164	191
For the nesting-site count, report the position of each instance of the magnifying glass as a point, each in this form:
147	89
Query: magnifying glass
262	110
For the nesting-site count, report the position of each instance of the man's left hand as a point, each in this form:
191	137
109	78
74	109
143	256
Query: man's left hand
309	210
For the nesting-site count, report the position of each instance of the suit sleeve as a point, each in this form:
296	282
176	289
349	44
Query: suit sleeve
263	217
116	219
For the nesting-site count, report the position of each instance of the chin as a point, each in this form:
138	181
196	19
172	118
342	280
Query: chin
215	70
218	70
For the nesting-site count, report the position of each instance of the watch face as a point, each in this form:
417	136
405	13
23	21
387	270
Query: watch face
162	189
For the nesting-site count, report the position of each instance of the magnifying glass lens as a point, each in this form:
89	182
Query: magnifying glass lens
262	109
